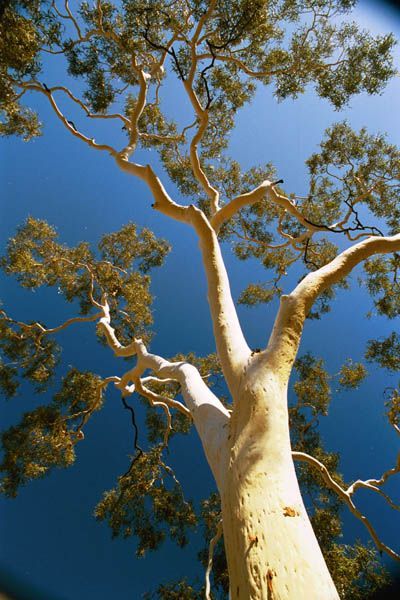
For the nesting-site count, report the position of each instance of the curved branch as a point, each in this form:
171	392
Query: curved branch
67	91
197	169
231	345
69	322
257	194
318	281
201	113
213	543
285	337
156	400
137	111
48	92
208	413
345	495
109	332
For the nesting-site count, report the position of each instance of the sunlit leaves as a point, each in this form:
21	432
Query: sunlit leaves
19	42
8	380
32	356
147	503
80	392
23	26
17	120
257	294
127	245
383	285
356	570
36	258
45	438
366	65
356	169
180	590
41	441
312	388
385	352
352	374
393	407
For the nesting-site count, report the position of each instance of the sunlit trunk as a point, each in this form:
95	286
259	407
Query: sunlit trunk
271	549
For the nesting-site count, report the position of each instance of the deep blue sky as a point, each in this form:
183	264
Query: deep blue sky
48	536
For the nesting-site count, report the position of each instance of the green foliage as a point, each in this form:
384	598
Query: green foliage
354	170
382	284
352	374
257	294
80	393
385	352
45	437
312	387
127	245
36	258
33	357
23	26
393	407
41	441
356	570
180	590
144	505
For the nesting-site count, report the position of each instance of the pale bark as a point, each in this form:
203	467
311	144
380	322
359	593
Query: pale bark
232	347
271	549
210	417
286	334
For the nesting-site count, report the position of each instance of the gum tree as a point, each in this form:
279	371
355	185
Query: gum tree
119	59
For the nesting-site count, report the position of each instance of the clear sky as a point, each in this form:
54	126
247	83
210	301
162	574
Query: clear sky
48	537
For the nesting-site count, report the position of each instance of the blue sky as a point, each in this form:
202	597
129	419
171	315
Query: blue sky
48	537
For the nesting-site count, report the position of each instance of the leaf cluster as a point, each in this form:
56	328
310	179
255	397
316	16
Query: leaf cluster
45	437
120	271
144	504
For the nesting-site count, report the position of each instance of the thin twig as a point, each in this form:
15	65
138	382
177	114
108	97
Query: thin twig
211	547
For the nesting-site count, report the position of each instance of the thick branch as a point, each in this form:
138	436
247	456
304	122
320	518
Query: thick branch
210	417
249	198
318	281
285	337
231	345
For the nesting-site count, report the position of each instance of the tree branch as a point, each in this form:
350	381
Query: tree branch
137	111
346	496
213	543
68	124
231	344
249	198
209	415
294	308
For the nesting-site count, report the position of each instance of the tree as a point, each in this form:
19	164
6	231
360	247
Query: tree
125	54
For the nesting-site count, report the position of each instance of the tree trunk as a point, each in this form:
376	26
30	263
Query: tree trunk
271	548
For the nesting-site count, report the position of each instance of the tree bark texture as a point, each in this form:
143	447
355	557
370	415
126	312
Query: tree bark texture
271	548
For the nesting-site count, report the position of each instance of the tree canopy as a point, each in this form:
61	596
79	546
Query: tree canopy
118	61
